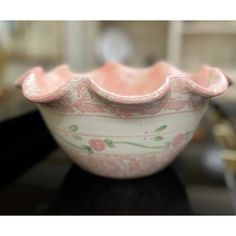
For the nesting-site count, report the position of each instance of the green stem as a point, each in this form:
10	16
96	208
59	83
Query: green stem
141	145
69	142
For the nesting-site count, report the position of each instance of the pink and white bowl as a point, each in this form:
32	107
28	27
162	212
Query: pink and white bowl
122	122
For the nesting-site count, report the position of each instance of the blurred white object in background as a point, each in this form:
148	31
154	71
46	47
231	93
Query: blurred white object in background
114	45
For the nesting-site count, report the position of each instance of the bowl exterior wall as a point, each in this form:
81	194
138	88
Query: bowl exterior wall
123	146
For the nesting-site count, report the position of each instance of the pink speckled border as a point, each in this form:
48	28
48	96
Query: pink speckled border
122	166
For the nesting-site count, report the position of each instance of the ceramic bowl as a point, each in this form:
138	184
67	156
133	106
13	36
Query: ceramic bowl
122	122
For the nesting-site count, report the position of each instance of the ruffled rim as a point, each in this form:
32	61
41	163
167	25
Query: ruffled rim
42	87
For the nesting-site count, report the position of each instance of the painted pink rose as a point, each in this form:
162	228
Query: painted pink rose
178	139
97	144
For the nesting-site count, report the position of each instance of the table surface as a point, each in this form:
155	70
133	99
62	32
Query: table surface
82	193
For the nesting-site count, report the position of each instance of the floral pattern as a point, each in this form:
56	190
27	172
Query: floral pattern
97	144
125	165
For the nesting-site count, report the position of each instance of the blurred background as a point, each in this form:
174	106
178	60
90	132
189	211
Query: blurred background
206	167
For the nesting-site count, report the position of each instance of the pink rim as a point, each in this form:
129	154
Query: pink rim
220	83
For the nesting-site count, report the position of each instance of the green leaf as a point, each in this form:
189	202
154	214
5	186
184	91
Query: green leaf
87	148
73	128
109	143
158	138
77	137
160	129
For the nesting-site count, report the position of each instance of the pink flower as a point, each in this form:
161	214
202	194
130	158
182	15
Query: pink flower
178	139
97	144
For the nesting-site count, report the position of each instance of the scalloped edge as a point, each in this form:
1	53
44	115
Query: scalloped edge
222	82
28	81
